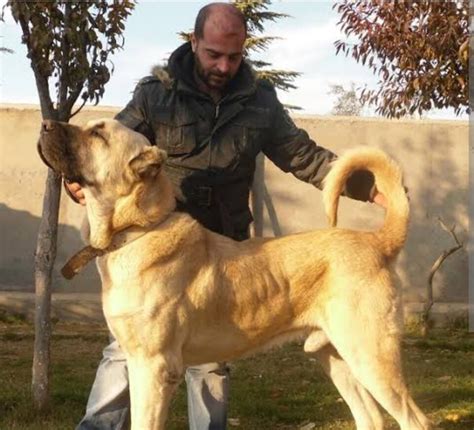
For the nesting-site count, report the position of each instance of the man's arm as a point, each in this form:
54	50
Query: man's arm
292	150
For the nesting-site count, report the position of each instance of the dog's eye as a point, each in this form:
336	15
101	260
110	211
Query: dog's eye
95	133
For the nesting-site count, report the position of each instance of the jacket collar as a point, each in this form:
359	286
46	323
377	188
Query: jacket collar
181	68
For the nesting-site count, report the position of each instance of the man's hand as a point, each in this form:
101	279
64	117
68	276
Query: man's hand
76	192
380	199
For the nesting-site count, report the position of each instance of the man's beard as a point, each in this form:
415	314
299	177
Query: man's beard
212	79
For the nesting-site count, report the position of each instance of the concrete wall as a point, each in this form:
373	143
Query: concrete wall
433	154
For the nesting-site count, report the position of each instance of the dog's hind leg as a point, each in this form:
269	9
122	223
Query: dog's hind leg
378	368
362	405
370	345
153	382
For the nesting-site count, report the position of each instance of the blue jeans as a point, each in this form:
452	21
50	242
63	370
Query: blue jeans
108	407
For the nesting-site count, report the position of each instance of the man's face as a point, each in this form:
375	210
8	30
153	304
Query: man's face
218	55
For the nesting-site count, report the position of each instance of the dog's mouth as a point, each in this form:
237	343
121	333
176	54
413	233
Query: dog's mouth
43	158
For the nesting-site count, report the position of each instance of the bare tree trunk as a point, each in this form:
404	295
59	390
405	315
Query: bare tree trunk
44	261
45	256
258	193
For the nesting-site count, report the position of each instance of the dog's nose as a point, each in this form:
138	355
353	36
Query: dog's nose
48	125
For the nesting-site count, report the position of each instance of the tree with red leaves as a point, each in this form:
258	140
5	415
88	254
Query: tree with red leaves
419	49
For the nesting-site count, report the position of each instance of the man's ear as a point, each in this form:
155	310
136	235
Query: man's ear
148	163
193	42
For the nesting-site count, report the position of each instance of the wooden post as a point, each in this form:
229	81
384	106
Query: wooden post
258	195
271	212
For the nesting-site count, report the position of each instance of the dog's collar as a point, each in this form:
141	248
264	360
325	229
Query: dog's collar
81	258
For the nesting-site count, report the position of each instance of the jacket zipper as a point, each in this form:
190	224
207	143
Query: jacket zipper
216	115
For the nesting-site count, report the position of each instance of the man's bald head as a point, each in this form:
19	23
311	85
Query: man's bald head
218	45
225	16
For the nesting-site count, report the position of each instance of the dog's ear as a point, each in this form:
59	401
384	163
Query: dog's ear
148	163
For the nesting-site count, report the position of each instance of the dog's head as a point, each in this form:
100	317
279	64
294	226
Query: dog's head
111	162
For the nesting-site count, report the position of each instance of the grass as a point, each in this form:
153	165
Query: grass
283	389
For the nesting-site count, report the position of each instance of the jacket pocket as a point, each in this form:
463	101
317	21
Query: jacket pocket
251	130
175	133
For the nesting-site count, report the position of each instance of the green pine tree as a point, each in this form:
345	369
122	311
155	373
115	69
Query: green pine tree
257	13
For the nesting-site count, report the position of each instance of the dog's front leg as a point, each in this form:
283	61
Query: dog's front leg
153	381
362	405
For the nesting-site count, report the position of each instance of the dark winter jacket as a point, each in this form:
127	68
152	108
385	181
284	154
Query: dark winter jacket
212	147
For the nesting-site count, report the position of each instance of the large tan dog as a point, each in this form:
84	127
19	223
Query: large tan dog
175	294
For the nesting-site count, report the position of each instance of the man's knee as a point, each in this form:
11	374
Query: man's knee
113	352
209	380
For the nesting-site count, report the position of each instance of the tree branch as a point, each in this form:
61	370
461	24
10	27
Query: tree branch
84	101
64	69
437	264
42	84
79	86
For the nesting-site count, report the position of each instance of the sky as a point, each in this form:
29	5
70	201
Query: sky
306	46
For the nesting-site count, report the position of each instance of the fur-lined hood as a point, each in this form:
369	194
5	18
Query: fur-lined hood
161	73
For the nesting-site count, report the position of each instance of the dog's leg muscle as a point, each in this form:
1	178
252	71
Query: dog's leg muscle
315	341
371	348
379	370
362	405
153	382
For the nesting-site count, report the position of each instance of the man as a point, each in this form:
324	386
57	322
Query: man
212	116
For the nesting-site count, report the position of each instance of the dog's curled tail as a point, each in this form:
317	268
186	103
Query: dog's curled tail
388	180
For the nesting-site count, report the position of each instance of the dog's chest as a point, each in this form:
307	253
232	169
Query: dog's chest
130	285
122	292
